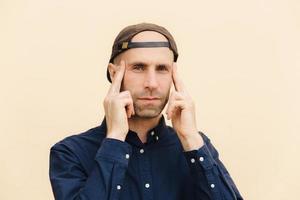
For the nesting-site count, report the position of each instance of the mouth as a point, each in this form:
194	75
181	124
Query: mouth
149	99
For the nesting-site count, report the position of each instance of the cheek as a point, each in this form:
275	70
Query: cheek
165	86
126	78
129	82
132	79
166	82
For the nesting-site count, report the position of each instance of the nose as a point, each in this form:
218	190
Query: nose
151	80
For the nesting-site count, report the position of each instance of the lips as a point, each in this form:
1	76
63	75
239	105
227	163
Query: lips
149	98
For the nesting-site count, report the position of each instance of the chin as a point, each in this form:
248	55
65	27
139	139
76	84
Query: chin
148	113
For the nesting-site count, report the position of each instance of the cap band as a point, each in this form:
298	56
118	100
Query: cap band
129	45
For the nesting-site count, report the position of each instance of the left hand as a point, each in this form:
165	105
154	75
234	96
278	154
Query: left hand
181	110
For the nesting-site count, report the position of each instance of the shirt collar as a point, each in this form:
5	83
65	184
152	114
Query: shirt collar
154	135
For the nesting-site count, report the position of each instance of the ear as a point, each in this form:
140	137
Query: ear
112	70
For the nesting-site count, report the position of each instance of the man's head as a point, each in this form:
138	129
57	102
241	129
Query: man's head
148	71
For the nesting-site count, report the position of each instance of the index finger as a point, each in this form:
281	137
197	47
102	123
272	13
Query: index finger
176	80
118	77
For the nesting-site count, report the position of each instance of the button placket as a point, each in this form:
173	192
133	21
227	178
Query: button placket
146	176
152	133
119	187
201	159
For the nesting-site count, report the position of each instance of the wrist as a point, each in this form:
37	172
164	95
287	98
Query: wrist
116	136
192	142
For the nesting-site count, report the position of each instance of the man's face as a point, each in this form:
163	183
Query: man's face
148	75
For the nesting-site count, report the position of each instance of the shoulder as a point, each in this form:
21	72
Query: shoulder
84	141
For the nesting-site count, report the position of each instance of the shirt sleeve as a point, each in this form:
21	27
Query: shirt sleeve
211	178
69	180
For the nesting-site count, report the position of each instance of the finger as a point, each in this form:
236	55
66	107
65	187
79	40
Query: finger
169	111
129	106
124	94
128	103
176	105
178	84
173	97
118	77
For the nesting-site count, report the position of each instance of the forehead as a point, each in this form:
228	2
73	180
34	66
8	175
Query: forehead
162	55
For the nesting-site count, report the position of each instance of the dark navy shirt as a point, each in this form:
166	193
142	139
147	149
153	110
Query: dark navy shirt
91	166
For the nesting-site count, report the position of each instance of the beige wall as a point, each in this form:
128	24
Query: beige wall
239	59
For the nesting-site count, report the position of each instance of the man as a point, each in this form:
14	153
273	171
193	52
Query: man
133	154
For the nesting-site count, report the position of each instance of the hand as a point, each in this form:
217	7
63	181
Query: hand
118	106
181	110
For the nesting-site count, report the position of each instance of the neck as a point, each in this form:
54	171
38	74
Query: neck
142	125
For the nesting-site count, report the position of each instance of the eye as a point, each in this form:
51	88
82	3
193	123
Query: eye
138	67
162	68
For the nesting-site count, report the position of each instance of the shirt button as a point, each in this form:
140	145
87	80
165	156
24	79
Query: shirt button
119	187
212	185
142	151
127	156
147	185
192	160
201	159
152	133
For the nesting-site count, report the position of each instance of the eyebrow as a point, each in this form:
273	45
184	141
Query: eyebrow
145	64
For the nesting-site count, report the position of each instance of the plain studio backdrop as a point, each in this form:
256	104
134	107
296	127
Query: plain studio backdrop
239	59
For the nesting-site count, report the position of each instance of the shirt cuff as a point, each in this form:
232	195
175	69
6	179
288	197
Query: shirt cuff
202	156
114	150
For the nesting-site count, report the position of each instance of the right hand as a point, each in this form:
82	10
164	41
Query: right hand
118	106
